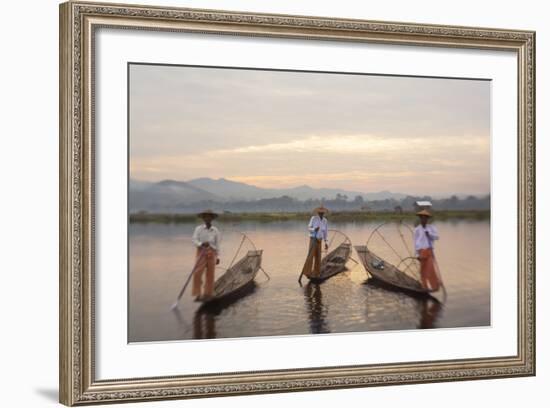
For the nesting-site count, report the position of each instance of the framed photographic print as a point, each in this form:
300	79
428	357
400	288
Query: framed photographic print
255	203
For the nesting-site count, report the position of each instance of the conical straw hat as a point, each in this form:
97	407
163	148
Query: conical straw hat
322	209
207	212
424	212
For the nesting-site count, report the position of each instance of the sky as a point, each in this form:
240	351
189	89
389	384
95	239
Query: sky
279	129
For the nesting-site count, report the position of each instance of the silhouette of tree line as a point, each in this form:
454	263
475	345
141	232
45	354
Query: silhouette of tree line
340	203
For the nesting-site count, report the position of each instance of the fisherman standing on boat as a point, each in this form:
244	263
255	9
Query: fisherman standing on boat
424	236
207	239
318	232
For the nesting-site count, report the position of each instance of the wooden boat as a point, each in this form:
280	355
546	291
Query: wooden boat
237	279
334	262
388	273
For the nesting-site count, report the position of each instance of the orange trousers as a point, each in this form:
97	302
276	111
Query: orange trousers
205	264
428	273
312	266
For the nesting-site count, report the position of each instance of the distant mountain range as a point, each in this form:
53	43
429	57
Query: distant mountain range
169	194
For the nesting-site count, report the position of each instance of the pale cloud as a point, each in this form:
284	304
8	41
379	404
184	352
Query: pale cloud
362	163
357	144
282	129
318	179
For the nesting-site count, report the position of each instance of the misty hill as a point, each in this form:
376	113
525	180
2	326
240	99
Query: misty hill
171	194
230	190
234	190
166	195
310	193
341	203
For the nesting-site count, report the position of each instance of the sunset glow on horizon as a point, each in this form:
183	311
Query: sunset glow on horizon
285	129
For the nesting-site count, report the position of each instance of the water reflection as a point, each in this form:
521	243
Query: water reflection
161	255
207	315
400	308
204	324
317	311
431	309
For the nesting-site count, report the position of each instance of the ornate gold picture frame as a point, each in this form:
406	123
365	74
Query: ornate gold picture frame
79	22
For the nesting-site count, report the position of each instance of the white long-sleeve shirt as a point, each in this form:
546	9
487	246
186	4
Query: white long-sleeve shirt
421	240
315	222
211	235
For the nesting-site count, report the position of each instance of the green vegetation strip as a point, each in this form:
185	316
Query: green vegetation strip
341	216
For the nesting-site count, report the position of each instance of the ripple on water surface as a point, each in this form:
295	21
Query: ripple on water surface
161	256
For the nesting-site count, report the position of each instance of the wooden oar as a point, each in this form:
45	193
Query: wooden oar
353	260
175	305
266	274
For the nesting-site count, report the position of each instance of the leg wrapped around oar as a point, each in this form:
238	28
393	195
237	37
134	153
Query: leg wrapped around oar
428	274
312	265
206	265
200	255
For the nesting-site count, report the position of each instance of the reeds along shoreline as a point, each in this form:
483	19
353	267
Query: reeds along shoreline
337	216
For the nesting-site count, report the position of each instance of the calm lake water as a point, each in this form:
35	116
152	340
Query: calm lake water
162	256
